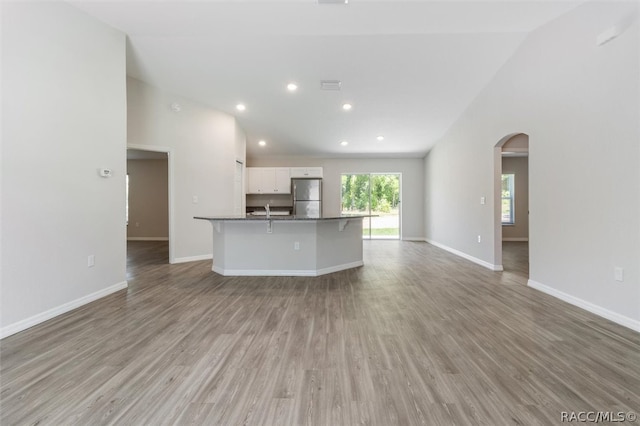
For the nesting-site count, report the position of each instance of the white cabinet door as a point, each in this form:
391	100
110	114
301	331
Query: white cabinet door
268	183
268	180
314	172
254	175
282	181
306	172
298	172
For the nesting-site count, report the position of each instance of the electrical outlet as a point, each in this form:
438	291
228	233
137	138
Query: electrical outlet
618	274
91	260
194	199
296	245
483	200
479	238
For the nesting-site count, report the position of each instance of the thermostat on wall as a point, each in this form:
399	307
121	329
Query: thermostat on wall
106	173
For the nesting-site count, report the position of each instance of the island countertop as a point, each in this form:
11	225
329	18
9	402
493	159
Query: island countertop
281	217
258	245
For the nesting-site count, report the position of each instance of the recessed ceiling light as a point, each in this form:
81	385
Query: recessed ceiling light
292	87
241	107
262	143
380	138
333	1
347	107
344	143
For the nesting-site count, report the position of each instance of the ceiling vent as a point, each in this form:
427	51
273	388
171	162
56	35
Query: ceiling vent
333	1
330	84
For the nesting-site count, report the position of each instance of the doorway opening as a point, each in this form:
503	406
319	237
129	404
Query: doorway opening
376	194
238	189
149	200
512	204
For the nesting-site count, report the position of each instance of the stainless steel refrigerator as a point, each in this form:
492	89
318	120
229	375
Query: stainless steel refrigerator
307	197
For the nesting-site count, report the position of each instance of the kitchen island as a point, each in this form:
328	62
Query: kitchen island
285	245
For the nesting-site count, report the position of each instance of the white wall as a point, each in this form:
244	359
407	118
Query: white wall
412	170
63	117
579	105
205	145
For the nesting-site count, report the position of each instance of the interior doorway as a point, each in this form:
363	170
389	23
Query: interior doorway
149	196
512	204
238	189
376	194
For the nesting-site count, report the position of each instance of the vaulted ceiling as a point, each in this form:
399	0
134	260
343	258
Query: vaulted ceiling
408	68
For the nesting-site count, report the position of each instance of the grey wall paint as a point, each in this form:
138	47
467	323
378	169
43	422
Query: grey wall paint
519	166
148	199
412	170
579	105
206	144
63	118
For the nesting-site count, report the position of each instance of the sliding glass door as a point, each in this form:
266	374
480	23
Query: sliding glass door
376	194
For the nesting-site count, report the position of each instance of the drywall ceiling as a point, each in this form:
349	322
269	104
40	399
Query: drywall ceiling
409	68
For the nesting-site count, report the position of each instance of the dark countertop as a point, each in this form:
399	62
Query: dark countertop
282	218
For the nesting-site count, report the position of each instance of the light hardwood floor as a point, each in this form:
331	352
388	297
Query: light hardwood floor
416	336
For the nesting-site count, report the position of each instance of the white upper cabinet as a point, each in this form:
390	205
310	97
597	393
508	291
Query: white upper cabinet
306	172
282	180
268	180
254	177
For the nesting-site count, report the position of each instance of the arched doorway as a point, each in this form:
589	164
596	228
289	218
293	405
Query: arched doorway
511	203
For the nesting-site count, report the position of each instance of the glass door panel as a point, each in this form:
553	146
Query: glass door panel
355	198
377	194
385	204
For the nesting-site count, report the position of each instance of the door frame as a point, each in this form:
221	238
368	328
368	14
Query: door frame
170	189
497	200
399	174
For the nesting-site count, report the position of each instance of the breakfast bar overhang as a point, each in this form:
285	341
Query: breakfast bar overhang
285	245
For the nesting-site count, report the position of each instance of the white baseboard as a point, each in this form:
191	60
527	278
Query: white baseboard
262	272
587	306
421	239
516	239
192	258
51	313
337	268
147	238
285	273
466	256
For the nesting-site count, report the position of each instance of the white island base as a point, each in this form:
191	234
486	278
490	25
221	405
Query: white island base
285	247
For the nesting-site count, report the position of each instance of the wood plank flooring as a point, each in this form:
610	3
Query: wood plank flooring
416	336
515	258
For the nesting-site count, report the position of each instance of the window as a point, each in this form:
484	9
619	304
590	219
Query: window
508	206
